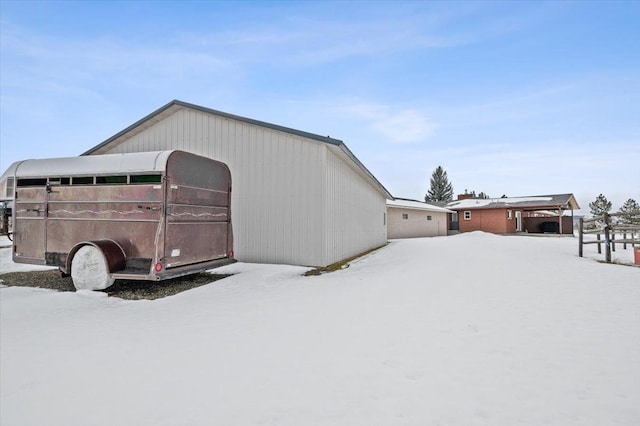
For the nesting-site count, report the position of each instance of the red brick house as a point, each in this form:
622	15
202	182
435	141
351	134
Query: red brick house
535	214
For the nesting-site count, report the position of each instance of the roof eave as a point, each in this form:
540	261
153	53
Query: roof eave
140	125
443	210
365	171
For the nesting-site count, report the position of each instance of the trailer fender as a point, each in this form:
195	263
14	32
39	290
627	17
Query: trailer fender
92	262
113	254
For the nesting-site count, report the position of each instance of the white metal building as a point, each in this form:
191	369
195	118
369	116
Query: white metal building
298	198
411	219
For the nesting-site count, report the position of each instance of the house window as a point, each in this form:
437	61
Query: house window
509	214
429	217
467	215
405	215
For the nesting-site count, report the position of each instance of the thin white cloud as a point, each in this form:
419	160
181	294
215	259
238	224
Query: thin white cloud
309	43
302	42
49	63
396	125
306	41
509	107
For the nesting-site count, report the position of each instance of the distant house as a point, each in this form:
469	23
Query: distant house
534	214
412	218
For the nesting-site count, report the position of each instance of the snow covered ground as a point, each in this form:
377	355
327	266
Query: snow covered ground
474	329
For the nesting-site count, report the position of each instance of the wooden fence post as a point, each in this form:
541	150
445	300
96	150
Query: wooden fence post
613	239
599	245
580	236
607	240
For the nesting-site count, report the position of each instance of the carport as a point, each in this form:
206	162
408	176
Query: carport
550	218
533	214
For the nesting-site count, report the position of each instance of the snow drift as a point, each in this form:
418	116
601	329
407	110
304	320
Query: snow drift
474	329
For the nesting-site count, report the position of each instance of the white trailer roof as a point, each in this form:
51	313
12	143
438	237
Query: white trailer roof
137	162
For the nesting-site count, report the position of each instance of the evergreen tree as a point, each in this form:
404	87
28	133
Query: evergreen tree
600	205
631	212
441	190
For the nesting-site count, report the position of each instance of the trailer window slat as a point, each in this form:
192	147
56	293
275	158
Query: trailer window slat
145	178
111	180
82	180
32	182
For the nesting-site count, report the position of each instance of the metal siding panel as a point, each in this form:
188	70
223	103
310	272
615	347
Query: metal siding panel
152	138
245	174
277	164
189	127
295	202
145	139
216	134
355	212
289	218
263	246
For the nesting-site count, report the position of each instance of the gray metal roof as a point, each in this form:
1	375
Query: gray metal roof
407	203
176	105
533	202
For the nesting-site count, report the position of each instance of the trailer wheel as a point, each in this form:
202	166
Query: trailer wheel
89	270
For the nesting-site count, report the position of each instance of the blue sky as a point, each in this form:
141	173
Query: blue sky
515	98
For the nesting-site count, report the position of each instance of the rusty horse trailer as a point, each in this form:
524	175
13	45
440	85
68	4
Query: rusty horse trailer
144	216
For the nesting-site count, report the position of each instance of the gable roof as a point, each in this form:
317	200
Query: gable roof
405	203
536	202
335	145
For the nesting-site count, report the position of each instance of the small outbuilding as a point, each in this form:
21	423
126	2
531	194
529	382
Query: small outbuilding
412	219
533	214
297	198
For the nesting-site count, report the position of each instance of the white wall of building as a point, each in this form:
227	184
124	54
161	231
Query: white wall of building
294	200
416	224
355	216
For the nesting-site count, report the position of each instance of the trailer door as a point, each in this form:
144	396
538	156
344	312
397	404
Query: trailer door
29	226
197	211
